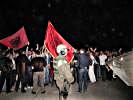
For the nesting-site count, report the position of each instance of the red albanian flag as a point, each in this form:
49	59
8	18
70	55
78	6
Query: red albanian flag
53	39
17	40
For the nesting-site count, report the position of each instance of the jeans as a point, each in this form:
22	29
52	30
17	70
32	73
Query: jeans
97	71
5	76
83	80
23	79
103	72
47	75
30	76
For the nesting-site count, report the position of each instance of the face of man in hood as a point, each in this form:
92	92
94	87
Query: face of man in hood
63	52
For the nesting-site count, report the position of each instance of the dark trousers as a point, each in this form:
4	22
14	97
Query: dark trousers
97	71
110	75
74	73
23	79
13	78
5	76
83	80
30	76
103	72
77	75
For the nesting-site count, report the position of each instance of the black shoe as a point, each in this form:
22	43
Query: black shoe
79	91
33	92
43	92
8	91
23	91
65	94
16	90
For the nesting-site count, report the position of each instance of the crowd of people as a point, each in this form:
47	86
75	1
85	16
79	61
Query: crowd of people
34	68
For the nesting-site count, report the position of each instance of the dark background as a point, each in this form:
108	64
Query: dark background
96	23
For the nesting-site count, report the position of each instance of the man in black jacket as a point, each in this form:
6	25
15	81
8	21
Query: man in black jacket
6	71
22	71
84	61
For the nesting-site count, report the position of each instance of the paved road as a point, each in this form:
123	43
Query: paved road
108	90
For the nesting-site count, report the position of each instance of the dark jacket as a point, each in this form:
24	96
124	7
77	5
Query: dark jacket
6	64
84	61
38	64
22	63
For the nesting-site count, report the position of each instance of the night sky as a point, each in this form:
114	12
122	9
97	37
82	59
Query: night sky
96	23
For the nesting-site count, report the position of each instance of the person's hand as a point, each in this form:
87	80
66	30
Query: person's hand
95	49
75	50
28	43
8	48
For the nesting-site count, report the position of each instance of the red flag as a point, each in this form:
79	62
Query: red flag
17	40
53	39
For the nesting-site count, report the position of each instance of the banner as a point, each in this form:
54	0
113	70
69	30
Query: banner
17	40
53	39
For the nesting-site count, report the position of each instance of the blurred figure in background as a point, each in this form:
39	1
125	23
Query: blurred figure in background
84	61
6	66
38	64
102	59
22	63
